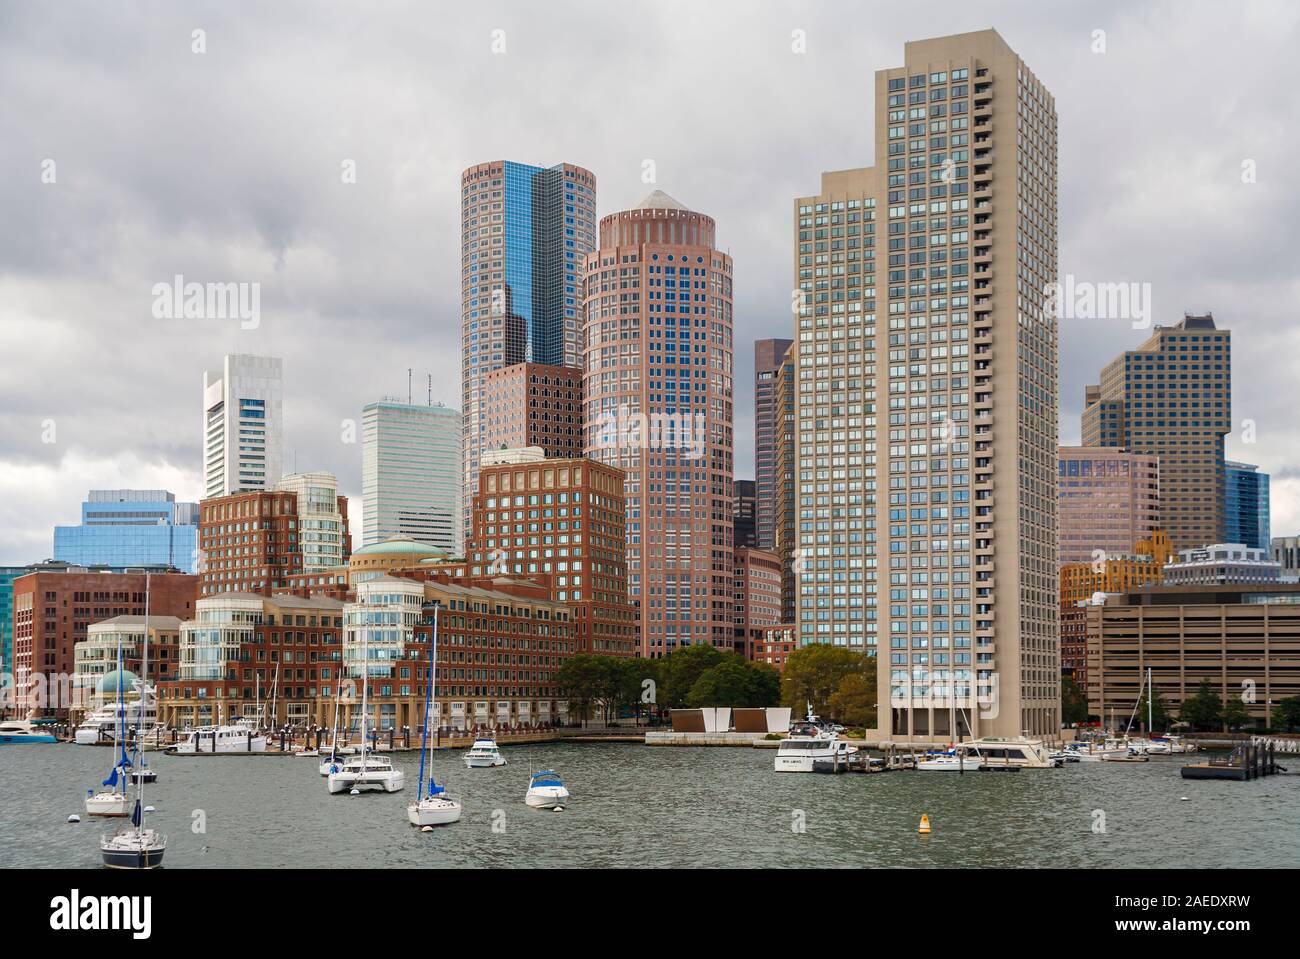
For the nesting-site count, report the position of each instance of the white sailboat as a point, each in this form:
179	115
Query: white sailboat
436	808
365	770
111	799
136	846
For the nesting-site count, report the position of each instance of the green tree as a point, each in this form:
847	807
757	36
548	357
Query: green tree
733	682
854	701
1286	714
679	670
1235	714
1203	708
813	673
1074	704
592	680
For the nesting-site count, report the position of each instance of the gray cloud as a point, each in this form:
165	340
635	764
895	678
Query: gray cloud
226	166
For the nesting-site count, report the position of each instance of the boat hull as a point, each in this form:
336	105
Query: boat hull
132	851
108	805
484	762
947	766
389	782
547	797
433	813
8	740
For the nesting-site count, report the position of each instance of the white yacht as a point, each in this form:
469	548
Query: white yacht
993	752
953	761
14	732
546	790
812	747
484	754
1097	752
219	739
366	771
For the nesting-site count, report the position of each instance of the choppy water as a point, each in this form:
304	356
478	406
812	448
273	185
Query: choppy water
661	806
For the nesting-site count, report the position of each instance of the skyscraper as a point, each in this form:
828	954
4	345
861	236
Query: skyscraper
927	397
1172	396
1246	505
323	537
768	355
242	425
525	231
411	474
658	391
1107	499
745	512
533	404
131	527
785	457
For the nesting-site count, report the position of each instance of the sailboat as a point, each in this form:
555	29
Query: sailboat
332	761
136	846
365	771
112	799
435	808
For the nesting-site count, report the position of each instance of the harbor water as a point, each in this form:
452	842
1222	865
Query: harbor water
639	806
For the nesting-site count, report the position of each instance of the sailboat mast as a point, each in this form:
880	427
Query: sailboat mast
1150	726
139	780
428	700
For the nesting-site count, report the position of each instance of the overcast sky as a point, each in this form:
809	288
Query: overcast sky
226	166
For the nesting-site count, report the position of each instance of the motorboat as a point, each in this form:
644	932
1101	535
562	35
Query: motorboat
366	771
16	732
953	761
219	739
997	753
432	806
812	747
1089	752
1158	746
484	754
1064	755
546	790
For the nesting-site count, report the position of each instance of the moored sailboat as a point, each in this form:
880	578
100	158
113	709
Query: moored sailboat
435	808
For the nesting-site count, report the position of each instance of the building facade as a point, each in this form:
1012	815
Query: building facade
658	389
411	474
564	519
525	233
769	356
927	413
744	513
53	612
242	425
1222	564
131	527
533	404
96	656
1285	551
1246	505
248	543
1108	500
323	536
1244	639
786	538
757	597
1172	398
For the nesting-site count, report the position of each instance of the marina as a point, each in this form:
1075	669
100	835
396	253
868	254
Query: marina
718	807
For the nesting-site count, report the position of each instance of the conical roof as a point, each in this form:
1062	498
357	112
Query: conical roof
659	200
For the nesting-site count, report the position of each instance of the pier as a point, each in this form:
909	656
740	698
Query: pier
1248	761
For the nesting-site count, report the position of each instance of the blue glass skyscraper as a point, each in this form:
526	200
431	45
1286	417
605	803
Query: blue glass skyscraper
125	527
1245	505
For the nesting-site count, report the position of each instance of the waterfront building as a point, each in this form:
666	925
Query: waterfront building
525	231
565	519
1243	638
248	542
757	587
659	392
277	658
323	536
785	459
54	607
242	425
744	513
411	474
96	656
533	404
769	357
928	396
1222	564
130	527
1172	398
1107	500
1284	549
776	643
1246	505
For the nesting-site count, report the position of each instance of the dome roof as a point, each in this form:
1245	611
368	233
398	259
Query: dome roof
399	546
115	681
659	200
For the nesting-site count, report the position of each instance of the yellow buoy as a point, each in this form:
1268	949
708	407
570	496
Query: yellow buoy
924	828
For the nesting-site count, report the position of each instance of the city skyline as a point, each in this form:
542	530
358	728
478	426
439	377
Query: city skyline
343	269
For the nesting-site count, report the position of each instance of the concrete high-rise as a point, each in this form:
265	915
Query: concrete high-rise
1107	499
533	404
1172	397
927	397
785	458
411	474
1246	505
768	356
658	389
323	536
242	425
525	232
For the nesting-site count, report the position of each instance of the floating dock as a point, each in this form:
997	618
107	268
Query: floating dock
1244	763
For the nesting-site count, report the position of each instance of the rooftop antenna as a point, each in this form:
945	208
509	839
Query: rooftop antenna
430	389
408	386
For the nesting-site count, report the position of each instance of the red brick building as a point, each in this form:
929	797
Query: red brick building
533	404
776	644
52	612
563	518
757	596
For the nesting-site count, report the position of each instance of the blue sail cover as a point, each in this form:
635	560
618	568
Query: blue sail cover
112	778
135	815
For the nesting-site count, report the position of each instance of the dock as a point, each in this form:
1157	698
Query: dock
1244	763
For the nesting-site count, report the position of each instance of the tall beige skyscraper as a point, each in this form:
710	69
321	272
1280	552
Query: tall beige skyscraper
927	397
